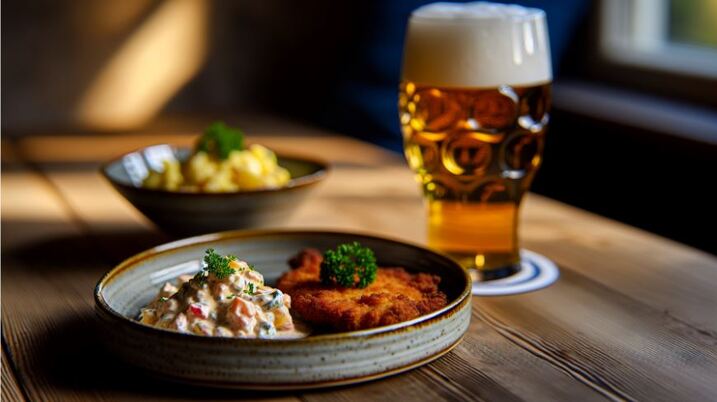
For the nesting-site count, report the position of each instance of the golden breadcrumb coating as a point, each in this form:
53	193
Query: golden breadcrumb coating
395	296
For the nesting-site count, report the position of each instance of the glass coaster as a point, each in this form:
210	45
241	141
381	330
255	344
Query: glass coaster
536	272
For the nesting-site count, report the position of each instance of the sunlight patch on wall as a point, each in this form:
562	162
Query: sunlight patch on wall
156	61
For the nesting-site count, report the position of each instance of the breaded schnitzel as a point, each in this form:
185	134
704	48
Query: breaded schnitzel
394	296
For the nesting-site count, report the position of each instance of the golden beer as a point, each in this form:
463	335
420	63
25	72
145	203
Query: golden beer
475	152
474	107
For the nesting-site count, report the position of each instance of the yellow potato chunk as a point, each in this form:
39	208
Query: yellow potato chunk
249	169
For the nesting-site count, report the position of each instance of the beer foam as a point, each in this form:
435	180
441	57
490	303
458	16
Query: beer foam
477	45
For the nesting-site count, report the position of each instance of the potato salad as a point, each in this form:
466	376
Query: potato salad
221	163
228	298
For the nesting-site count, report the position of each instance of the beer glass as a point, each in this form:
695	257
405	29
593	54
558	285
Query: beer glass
474	102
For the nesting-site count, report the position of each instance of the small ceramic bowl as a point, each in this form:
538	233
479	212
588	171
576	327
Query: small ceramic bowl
319	360
184	213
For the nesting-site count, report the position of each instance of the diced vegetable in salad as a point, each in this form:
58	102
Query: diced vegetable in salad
227	298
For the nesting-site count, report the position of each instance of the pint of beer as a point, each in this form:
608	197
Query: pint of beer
474	102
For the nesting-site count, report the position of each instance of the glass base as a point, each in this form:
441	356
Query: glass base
536	272
488	266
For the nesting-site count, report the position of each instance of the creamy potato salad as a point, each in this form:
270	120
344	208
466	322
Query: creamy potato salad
221	163
227	298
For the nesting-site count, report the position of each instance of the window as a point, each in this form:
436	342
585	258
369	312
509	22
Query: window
678	36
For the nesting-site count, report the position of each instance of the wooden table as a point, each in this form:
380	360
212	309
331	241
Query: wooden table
633	316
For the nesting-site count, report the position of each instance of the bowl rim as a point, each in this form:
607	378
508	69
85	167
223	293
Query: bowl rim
294	183
130	263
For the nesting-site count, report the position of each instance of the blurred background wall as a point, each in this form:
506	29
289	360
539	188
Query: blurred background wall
633	132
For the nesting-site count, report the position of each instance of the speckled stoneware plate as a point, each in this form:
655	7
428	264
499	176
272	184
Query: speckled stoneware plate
320	360
183	213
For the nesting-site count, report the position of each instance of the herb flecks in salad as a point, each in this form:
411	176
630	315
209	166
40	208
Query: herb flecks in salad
226	298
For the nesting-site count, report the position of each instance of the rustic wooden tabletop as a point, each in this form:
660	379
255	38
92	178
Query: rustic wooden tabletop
633	316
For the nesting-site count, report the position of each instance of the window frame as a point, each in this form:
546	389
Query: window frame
657	100
635	32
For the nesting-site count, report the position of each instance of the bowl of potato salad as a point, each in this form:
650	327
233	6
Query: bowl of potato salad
221	183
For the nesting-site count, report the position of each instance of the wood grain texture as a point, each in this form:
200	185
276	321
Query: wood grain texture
631	317
11	390
629	350
656	271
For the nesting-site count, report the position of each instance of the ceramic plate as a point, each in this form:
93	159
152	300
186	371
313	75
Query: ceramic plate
315	361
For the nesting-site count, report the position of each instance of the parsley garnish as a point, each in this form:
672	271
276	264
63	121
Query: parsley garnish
218	265
350	265
220	140
249	289
163	299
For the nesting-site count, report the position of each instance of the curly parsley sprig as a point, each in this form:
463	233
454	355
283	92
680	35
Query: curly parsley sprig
350	265
218	265
219	140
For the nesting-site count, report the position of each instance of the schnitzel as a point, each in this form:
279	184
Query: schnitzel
395	296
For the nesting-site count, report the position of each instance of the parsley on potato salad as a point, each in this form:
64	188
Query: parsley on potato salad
221	163
227	298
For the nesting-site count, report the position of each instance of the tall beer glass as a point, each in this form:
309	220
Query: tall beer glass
474	102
